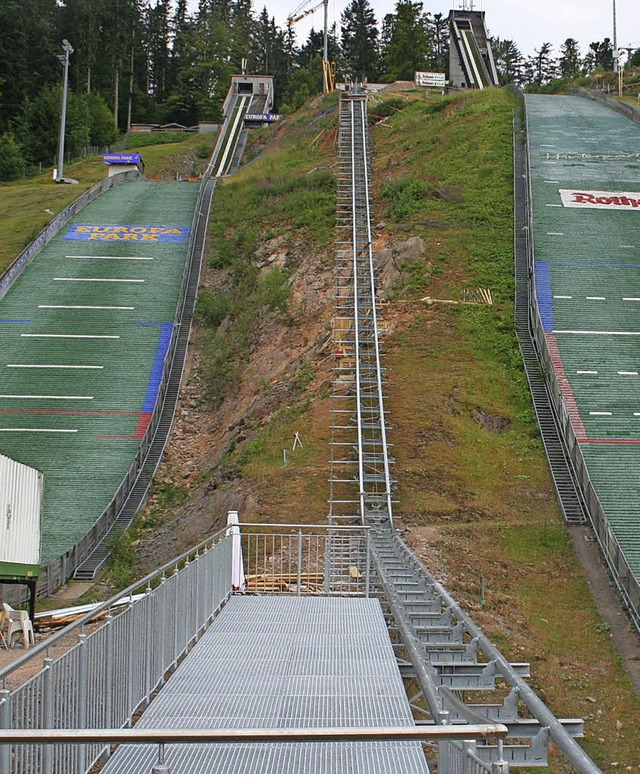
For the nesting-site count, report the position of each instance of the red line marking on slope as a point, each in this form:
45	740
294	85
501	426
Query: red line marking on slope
141	429
143	424
72	413
565	387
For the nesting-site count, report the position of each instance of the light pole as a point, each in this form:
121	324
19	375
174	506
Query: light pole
64	59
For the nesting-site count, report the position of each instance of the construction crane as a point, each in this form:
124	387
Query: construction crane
304	9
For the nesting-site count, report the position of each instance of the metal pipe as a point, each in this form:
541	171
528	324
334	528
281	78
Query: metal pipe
383	430
417	658
243	735
356	315
565	743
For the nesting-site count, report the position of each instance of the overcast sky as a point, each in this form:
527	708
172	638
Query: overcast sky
528	24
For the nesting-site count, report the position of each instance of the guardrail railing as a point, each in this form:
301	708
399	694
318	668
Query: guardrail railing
307	559
467	762
125	648
113	667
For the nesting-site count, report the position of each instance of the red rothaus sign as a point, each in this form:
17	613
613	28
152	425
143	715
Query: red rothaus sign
602	200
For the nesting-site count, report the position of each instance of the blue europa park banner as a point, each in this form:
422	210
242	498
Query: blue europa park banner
88	232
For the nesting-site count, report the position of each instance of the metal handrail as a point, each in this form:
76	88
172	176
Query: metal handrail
244	735
356	321
565	743
374	316
43	647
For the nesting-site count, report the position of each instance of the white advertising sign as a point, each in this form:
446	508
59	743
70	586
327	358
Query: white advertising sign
436	80
601	200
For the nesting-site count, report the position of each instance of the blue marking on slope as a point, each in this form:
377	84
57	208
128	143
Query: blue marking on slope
16	321
158	366
589	263
543	294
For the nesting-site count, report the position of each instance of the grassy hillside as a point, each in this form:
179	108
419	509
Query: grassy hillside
27	206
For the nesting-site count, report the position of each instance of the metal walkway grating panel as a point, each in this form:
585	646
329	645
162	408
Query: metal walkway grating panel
284	662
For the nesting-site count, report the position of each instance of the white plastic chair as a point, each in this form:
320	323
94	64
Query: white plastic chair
18	622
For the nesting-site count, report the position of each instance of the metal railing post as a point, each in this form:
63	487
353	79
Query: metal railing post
81	698
327	563
367	569
176	613
5	723
108	669
148	644
299	573
131	654
161	767
47	713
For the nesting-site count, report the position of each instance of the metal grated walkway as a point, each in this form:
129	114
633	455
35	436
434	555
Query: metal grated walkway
284	662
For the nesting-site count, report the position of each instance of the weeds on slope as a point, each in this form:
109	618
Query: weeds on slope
264	220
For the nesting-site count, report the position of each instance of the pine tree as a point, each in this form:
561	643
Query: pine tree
570	62
157	34
408	40
541	66
28	49
440	54
360	41
601	55
508	60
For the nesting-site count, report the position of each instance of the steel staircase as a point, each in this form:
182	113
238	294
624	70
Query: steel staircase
564	478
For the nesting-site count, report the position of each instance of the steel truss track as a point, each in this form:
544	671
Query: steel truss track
442	654
359	431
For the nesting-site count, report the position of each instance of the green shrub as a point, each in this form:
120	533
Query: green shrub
212	307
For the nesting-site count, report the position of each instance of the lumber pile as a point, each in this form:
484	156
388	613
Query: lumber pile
269	583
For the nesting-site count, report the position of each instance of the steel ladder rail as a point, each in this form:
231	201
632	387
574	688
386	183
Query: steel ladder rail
568	491
88	569
355	291
364	297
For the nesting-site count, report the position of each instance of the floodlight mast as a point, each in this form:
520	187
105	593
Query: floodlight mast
64	60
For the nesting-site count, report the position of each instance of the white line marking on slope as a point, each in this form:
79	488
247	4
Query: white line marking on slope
83	367
64	336
34	430
93	279
586	372
50	397
65	306
113	257
601	333
600	413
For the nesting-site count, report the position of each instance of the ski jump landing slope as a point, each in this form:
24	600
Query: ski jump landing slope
83	337
585	173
